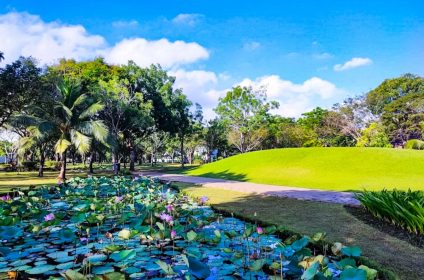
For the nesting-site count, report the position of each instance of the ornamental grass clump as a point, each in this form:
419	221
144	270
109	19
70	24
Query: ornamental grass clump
402	208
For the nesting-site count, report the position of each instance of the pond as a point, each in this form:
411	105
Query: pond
124	228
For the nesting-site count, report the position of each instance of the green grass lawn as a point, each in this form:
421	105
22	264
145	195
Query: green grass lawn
322	168
308	217
9	180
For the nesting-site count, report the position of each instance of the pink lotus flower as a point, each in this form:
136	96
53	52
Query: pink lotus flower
167	218
204	199
173	234
169	208
259	230
118	199
6	197
49	217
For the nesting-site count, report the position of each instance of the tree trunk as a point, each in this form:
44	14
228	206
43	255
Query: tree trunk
90	166
151	159
116	165
62	174
182	150
133	158
42	160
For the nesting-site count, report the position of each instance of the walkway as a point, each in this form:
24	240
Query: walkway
263	189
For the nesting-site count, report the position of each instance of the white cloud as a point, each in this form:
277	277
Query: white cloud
26	34
125	23
353	63
295	98
251	46
187	19
166	53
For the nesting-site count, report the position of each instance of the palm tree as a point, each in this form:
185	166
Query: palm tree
73	117
70	120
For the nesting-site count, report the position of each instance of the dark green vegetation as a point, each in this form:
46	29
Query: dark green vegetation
402	208
143	229
323	168
309	217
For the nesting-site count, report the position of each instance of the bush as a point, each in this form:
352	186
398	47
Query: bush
52	164
415	144
312	143
29	165
402	208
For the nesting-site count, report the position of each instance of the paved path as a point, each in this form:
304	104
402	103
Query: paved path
263	189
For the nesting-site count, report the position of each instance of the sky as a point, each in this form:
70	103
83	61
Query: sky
305	53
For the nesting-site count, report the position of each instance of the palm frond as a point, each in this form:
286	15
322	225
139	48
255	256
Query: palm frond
96	128
80	100
25	144
81	142
91	110
62	145
24	120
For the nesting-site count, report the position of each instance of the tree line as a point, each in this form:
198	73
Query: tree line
126	114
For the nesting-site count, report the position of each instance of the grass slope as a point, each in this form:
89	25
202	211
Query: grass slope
323	168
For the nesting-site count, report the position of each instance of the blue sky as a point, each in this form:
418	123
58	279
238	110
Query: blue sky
308	54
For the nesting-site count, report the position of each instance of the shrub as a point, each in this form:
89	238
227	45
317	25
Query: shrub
29	165
52	164
402	208
415	144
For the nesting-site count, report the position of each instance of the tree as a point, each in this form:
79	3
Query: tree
403	119
126	112
20	86
182	119
374	136
71	121
392	89
215	138
245	112
1	56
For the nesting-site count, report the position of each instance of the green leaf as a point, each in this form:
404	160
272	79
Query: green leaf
122	255
165	267
198	269
40	269
310	273
74	275
257	265
371	273
300	244
114	276
191	235
353	274
351	251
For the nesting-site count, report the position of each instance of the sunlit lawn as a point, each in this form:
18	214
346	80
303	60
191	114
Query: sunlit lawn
341	169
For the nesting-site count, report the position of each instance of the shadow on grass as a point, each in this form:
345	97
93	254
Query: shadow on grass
204	178
309	217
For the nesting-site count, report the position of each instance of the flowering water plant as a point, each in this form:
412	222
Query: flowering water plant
116	228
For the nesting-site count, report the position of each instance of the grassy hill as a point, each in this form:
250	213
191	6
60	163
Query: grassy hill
323	168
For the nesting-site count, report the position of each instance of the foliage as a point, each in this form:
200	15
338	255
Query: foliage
20	86
403	118
142	229
415	144
374	136
402	208
245	113
392	89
